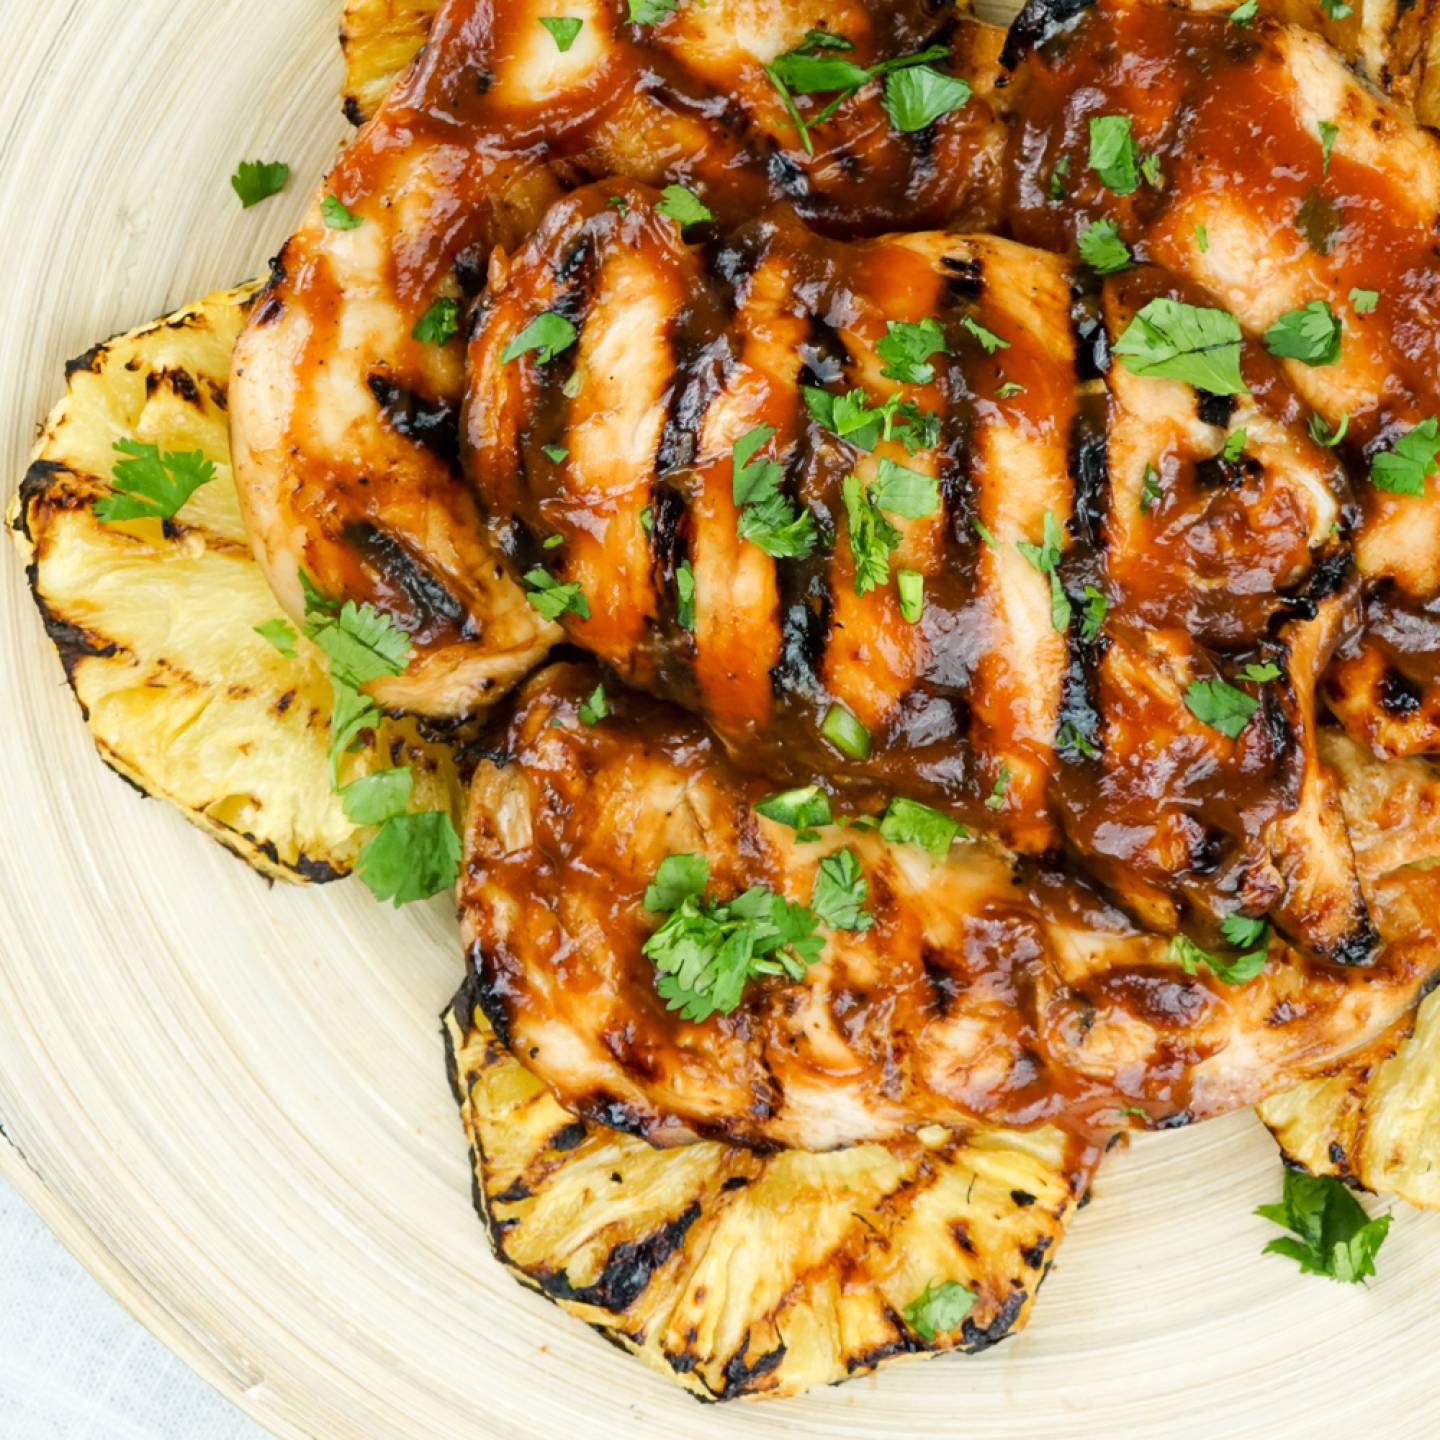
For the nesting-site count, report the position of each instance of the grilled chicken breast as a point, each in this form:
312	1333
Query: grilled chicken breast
1072	622
343	420
986	988
1306	187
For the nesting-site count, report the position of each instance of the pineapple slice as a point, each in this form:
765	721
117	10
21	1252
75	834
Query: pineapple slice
1375	1120
155	622
739	1274
379	38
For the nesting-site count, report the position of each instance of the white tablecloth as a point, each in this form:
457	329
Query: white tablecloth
75	1366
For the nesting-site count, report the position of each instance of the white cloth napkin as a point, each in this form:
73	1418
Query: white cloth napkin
75	1366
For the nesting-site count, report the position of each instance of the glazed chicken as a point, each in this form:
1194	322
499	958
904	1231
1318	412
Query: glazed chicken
1047	682
1282	181
344	421
978	989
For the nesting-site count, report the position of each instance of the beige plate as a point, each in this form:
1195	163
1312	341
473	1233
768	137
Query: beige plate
230	1101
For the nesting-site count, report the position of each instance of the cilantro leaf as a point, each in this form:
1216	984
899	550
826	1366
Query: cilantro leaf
650	12
919	95
803	72
1220	706
1102	249
151	485
1261	674
337	217
552	598
380	796
1150	169
1311	334
938	1309
257	180
707	951
910	587
1244	13
986	534
411	857
903	492
1097	606
908	822
1056	185
1243	932
563	29
1364	301
1336	1237
753	479
840	890
548	333
685	596
907	347
280	633
1150	492
802	810
1176	341
683	206
556	454
594	709
1336	9
1321	434
1329	132
1234	445
439	324
1045	558
872	537
996	799
990	342
678	878
361	643
1405	466
1112	153
1202	239
1239	971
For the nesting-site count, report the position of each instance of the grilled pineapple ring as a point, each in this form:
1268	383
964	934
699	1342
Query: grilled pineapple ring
154	623
738	1274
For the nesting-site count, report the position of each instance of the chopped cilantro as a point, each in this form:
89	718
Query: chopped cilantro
1409	462
650	12
552	598
919	95
563	29
337	217
257	180
1364	301
1310	334
556	454
938	1309
1244	13
1220	706
1321	434
990	342
683	206
548	334
1045	558
1261	674
1198	345
439	324
1234	445
380	796
1112	153
1150	492
685	596
1237	971
908	822
998	797
1102	249
1096	609
1329	131
907	347
910	587
279	633
150	485
768	518
1202	239
595	707
1334	1236
838	898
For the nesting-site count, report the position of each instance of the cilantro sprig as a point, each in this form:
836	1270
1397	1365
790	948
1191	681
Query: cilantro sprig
1045	558
257	180
1409	462
915	96
1221	706
907	347
1310	334
938	1309
149	484
838	898
853	418
410	856
768	518
1250	936
872	537
1331	1234
708	950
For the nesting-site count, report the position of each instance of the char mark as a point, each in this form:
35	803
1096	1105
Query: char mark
1035	24
976	1338
1090	477
628	1270
1087	327
1329	577
963	278
702	364
431	607
434	425
805	609
1214	409
741	1375
1399	695
89	361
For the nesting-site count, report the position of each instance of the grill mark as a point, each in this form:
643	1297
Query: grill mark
1087	327
1214	409
424	607
703	363
434	425
1398	694
628	1270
